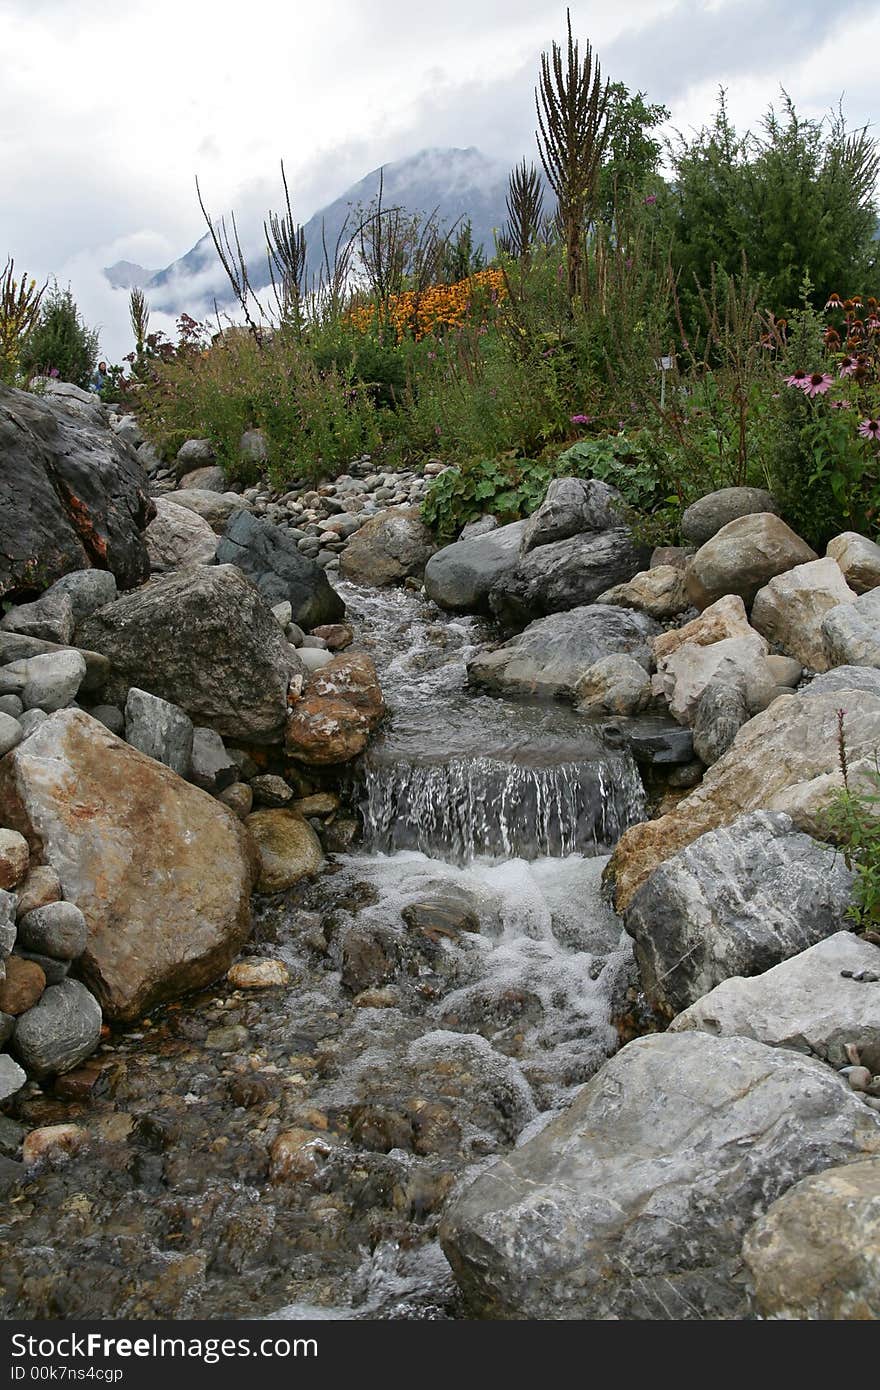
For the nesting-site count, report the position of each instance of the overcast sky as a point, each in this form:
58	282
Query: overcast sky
107	110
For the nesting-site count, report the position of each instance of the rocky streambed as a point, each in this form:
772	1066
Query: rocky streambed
447	988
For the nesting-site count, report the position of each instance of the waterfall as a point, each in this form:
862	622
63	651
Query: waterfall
466	807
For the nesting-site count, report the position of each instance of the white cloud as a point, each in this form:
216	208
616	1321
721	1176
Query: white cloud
108	112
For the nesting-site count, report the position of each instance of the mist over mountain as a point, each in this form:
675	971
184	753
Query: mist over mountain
125	275
454	183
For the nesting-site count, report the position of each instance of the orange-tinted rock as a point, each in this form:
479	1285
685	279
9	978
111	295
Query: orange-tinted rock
336	635
53	1141
341	706
161	871
14	856
23	986
323	730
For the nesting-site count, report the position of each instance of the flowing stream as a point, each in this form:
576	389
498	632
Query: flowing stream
453	982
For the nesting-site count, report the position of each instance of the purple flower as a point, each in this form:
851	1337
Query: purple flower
582	419
650	200
54	372
870	429
818	384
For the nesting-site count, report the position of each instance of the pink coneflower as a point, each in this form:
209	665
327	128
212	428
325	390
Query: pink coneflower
847	366
818	383
834	302
798	378
841	405
870	429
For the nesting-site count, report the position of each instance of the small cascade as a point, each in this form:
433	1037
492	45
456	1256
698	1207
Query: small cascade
464	808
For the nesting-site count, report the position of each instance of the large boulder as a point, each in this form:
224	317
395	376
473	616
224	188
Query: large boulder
178	538
634	1202
553	654
858	559
388	548
789	611
161	871
810	1002
72	495
572	506
852	632
704	519
725	618
735	902
566	574
206	640
683	677
744	556
815	1253
14	648
459	576
268	555
660	592
775	758
215	508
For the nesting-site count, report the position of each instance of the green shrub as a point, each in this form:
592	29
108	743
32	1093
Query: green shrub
315	420
511	488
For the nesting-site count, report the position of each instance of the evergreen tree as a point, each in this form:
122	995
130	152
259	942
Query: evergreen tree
797	197
60	342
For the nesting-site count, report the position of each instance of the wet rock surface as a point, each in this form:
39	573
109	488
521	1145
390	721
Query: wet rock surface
634	1203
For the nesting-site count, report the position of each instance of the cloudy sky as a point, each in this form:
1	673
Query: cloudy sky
107	111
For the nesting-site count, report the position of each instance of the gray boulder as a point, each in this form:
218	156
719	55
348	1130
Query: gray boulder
206	640
86	589
211	767
14	647
459	576
853	678
50	617
852	632
161	730
111	716
571	507
634	1202
210	479
566	574
178	538
705	518
10	733
810	1003
60	1031
194	453
72	494
12	1078
390	547
49	682
735	902
553	655
56	929
721	711
271	559
214	507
